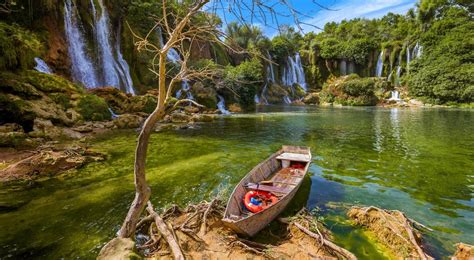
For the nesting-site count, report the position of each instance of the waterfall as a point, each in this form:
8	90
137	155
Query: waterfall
112	113
408	58
256	99
264	94
185	87
115	72
343	67
287	99
293	72
82	67
42	66
417	50
379	68
270	71
221	105
172	54
397	79
351	67
395	95
270	79
174	57
113	67
123	68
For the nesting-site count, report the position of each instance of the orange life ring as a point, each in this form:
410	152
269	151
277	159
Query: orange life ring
269	198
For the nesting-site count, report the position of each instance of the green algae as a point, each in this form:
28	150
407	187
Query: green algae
414	160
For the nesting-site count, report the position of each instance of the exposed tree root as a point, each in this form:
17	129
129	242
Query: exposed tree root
169	236
197	232
393	229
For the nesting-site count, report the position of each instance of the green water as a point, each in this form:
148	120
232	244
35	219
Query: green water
419	161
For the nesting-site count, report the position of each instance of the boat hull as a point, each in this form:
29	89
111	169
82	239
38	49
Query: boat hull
251	225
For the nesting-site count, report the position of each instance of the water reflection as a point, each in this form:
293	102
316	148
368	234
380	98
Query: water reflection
419	161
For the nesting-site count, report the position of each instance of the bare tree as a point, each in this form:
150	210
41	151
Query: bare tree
182	32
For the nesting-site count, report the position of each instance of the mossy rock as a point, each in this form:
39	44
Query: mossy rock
18	47
146	103
275	94
93	108
51	83
15	84
204	95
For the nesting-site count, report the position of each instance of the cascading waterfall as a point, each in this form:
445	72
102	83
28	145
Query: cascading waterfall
293	73
343	67
395	95
399	71
115	71
174	57
82	67
124	69
351	67
172	54
221	105
379	68
42	66
270	79
287	100
417	50
408	59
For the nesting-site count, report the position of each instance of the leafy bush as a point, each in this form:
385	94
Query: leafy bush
244	80
444	71
350	90
94	108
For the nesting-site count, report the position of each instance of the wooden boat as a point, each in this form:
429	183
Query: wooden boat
275	175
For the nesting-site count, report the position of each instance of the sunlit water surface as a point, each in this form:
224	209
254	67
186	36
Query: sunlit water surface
419	161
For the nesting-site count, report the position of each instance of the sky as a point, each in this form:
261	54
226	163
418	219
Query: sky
341	9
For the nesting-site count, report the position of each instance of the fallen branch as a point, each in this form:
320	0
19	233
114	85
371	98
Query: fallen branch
168	236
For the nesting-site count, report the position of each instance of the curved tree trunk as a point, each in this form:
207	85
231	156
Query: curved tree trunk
142	190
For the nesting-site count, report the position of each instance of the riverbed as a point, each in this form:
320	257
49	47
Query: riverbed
416	160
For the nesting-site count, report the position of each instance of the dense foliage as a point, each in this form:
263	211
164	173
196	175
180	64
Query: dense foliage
445	73
244	80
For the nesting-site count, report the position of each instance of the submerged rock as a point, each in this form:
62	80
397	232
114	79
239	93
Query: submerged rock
391	228
311	99
463	252
49	162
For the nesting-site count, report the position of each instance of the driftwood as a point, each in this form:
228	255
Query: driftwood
393	229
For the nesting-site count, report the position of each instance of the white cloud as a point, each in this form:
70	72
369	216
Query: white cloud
355	9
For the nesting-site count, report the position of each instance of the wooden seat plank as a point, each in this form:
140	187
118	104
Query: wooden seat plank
268	188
